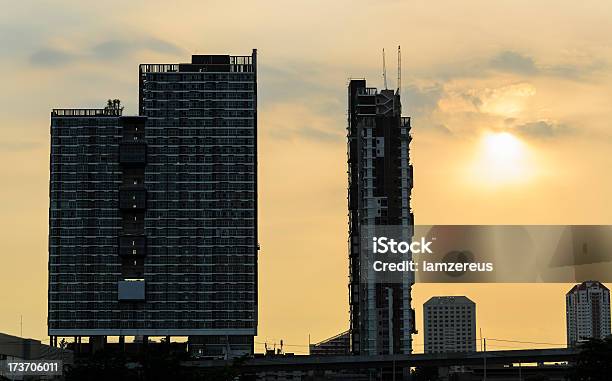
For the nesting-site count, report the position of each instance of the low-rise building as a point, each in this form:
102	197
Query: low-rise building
449	324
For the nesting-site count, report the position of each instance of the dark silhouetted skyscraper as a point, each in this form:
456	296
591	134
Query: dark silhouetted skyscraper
380	184
153	218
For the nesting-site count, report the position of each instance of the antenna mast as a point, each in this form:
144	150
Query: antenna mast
384	70
399	70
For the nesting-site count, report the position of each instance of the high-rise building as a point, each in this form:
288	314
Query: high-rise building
449	323
587	307
153	218
380	184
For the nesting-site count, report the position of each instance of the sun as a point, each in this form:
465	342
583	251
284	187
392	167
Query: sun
501	159
503	148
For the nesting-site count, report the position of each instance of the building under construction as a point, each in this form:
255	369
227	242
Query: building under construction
380	183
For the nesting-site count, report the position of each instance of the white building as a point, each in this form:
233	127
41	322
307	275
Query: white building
587	312
449	324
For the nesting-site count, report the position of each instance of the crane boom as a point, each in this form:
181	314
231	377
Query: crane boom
399	69
384	69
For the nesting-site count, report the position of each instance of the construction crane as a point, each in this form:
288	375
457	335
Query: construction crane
384	69
399	70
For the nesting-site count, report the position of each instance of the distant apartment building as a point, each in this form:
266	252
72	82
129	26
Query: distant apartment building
449	323
587	308
379	192
153	218
338	345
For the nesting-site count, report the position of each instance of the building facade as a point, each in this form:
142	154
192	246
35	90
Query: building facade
379	191
587	312
153	218
338	345
449	323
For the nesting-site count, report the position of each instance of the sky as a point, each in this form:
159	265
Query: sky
510	106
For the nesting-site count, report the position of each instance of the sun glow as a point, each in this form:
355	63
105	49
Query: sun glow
503	148
502	159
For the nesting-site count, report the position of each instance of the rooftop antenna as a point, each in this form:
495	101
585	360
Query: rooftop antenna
399	70
384	69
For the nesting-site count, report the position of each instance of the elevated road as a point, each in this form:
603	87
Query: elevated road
300	362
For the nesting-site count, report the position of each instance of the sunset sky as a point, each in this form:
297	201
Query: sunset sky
511	105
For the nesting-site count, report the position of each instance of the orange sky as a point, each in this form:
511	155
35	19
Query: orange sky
541	72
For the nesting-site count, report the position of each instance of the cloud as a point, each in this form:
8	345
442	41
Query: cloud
437	128
472	99
518	63
107	50
514	62
421	100
295	81
51	57
306	132
295	121
505	100
320	135
113	49
543	129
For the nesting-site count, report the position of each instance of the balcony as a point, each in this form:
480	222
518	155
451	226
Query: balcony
133	153
132	268
132	246
133	197
132	222
363	109
367	91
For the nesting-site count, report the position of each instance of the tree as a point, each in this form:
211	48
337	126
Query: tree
594	362
113	104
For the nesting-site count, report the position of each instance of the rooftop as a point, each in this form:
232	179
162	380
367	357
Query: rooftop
341	336
61	112
206	63
589	284
448	300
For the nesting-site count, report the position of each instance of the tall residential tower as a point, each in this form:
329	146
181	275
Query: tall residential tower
380	184
587	312
153	218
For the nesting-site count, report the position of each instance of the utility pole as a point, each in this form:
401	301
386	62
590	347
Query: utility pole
485	359
21	326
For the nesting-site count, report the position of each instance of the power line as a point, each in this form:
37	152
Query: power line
524	342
